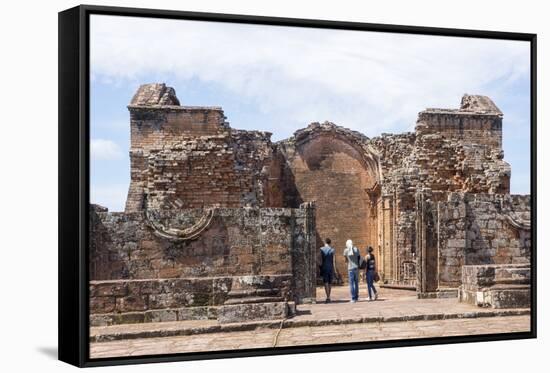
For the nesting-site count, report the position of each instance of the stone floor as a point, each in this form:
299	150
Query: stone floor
397	314
266	337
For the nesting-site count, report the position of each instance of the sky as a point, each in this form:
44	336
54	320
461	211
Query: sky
280	79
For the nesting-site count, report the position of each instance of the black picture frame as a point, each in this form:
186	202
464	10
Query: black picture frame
74	146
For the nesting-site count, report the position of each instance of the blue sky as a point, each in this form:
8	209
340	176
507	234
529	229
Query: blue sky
279	79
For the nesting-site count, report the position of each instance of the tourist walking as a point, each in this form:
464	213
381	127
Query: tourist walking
371	274
352	256
327	267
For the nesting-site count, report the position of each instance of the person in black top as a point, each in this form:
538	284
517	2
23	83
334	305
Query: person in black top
327	266
370	273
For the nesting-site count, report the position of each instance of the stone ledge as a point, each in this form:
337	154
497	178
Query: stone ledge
442	293
233	313
172	329
498	297
153	316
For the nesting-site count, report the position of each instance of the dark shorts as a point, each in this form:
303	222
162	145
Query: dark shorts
327	277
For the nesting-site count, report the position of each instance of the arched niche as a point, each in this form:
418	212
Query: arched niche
342	175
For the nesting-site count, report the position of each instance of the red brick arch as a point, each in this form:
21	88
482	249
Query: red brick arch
336	168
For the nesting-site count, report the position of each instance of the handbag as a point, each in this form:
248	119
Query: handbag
376	276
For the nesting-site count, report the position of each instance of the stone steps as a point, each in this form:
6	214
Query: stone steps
252	311
245	293
249	300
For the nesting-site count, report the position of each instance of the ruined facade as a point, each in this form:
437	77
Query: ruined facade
225	217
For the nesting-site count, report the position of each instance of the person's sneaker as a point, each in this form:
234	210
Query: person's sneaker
352	301
328	300
375	296
370	299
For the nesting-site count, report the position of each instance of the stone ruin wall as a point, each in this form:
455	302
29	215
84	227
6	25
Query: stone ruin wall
450	151
138	276
467	230
191	172
188	159
369	186
478	229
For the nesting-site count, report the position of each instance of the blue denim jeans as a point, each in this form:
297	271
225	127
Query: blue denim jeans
370	283
354	283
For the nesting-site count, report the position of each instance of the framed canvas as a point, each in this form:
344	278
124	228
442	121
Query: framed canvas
234	186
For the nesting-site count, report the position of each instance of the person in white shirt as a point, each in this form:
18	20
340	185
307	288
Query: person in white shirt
352	256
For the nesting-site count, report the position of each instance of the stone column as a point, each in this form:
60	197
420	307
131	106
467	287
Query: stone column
304	259
426	244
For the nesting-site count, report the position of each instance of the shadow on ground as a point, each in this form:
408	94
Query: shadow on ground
49	351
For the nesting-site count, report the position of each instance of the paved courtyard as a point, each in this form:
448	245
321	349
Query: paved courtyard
397	314
265	337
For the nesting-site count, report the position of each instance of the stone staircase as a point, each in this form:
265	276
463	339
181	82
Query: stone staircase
255	300
246	296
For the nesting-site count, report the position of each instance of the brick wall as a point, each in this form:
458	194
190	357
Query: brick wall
187	157
219	167
328	165
475	128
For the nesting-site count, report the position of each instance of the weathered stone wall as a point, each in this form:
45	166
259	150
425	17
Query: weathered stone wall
477	121
175	299
186	160
142	249
187	157
450	150
475	229
394	208
426	243
496	285
304	254
236	242
229	170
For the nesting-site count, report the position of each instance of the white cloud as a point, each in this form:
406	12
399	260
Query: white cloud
112	196
367	81
102	149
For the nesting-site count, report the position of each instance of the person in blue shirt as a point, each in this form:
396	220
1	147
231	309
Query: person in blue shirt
327	267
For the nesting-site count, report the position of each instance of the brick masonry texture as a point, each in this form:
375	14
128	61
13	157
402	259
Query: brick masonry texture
210	201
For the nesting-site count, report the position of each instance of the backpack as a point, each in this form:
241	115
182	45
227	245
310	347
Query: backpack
362	263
